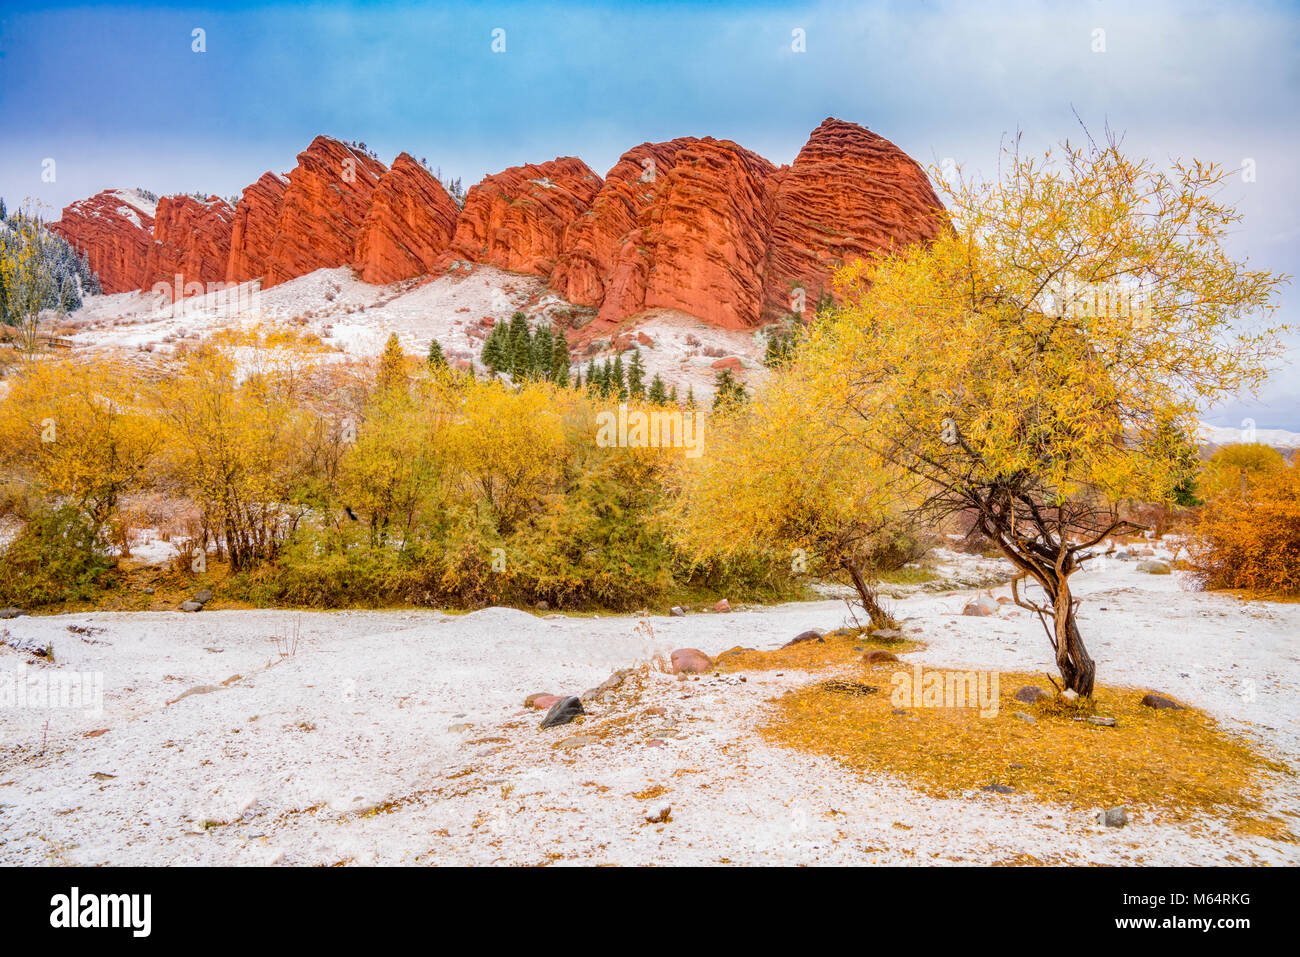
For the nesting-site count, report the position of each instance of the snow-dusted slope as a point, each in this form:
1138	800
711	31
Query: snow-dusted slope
354	319
1277	438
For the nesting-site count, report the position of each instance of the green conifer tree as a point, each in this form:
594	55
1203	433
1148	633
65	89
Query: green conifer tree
495	355
521	348
543	346
436	359
560	360
618	379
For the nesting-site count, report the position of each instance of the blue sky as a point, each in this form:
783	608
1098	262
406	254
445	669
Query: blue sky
115	95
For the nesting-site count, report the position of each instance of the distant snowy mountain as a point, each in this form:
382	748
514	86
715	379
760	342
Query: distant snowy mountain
1277	438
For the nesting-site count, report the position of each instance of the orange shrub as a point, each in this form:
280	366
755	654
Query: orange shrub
1250	538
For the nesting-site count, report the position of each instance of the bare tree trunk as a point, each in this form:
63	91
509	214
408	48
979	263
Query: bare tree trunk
879	617
1077	668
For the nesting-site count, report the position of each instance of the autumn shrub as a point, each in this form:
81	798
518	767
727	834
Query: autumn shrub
1234	467
237	441
73	434
1250	538
56	556
323	489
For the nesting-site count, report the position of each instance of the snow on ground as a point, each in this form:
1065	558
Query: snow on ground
1277	438
354	319
683	349
398	737
350	316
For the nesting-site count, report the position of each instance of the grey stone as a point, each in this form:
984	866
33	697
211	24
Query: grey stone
812	634
562	712
1026	718
1030	694
203	596
676	612
7	613
191	606
999	789
1113	817
1160	701
1154	567
1103	722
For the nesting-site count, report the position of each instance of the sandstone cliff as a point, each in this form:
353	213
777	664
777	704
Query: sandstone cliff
191	239
114	228
516	219
252	234
410	223
848	194
324	206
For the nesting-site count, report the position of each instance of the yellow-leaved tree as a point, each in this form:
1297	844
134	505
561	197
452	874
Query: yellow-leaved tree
1234	468
74	434
26	281
785	471
1030	366
237	441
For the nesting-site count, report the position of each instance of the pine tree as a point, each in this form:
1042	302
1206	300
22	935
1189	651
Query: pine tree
658	394
560	360
436	359
636	376
392	365
618	380
540	353
495	355
672	395
577	380
591	373
690	397
521	357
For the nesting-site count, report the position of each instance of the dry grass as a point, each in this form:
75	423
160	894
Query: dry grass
1176	764
841	647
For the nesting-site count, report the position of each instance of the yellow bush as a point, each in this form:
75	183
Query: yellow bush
74	433
1250	538
1234	467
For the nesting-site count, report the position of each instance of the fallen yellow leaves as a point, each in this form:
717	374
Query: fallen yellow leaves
836	648
1174	764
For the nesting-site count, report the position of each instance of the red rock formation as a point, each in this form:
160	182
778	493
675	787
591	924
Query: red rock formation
516	219
848	194
323	209
191	239
593	241
410	223
252	233
114	228
701	245
698	225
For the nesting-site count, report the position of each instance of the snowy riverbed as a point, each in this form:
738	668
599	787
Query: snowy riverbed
399	737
